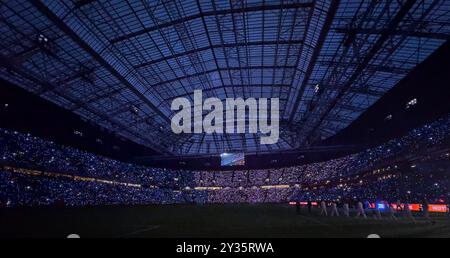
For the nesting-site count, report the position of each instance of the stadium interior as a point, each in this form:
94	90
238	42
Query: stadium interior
86	138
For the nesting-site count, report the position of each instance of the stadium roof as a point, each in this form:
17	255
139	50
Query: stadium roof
121	63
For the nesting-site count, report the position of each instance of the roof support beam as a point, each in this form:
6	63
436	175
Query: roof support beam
395	32
379	68
220	70
96	98
234	45
367	91
229	86
82	3
86	47
29	75
408	5
213	13
351	108
323	35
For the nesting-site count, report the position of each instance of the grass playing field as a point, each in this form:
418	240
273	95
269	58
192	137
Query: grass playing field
234	221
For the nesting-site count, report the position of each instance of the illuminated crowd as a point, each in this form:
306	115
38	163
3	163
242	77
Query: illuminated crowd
90	179
19	188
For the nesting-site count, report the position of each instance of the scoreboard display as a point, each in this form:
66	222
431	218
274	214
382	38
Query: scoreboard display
232	159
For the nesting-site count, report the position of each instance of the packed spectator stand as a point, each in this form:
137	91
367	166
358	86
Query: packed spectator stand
37	172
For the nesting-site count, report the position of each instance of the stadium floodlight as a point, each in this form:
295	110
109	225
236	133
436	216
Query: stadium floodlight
412	103
134	109
42	39
317	88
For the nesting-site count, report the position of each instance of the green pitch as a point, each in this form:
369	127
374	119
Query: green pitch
234	221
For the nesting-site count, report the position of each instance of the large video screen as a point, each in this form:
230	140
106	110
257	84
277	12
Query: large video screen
232	159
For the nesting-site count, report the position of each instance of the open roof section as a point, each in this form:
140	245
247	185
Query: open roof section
121	63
